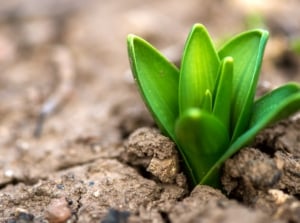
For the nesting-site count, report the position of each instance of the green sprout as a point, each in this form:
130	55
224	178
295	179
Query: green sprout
207	106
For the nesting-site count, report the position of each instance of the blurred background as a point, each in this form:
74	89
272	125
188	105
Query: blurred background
95	33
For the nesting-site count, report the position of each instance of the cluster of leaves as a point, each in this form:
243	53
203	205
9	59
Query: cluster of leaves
207	106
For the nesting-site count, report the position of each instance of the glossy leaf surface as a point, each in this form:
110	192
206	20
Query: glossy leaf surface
208	107
247	51
223	90
199	68
158	80
207	101
276	105
202	138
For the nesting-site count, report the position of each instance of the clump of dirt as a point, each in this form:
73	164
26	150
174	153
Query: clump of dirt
249	172
157	154
263	177
266	177
211	205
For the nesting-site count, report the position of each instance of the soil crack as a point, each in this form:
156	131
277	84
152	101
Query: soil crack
78	206
78	164
165	216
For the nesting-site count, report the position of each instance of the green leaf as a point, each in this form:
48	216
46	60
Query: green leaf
247	51
207	101
278	104
199	69
158	80
202	139
222	100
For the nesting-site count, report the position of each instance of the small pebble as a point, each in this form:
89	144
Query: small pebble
60	186
58	211
96	193
9	173
22	216
116	216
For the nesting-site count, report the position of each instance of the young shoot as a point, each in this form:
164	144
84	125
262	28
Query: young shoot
207	106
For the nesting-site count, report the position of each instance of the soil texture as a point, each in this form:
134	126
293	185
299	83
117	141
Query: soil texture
77	144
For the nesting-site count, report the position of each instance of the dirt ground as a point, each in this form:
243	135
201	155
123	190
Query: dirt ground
77	143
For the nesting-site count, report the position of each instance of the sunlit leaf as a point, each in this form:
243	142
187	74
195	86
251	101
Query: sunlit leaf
278	104
247	51
223	90
158	82
199	68
202	138
207	101
208	109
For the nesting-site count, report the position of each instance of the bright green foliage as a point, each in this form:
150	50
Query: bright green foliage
207	107
158	80
201	134
200	76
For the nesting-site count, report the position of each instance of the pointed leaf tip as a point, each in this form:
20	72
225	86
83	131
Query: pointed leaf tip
130	37
223	92
157	80
247	51
199	68
275	105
